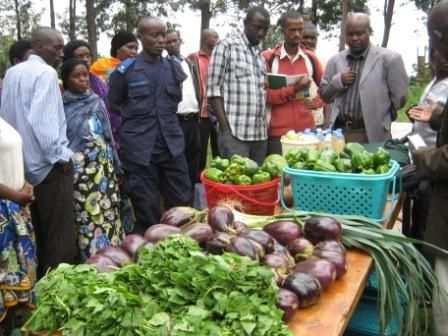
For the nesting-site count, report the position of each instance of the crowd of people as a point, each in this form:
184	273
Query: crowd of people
94	149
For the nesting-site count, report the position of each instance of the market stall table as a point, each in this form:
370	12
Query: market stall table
331	315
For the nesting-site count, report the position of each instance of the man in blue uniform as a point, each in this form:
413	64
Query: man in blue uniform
146	90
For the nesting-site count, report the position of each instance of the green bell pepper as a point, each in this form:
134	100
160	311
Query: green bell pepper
312	156
343	165
299	165
292	157
237	159
369	171
260	177
328	155
381	157
250	167
352	147
243	179
234	169
213	174
383	169
324	166
274	164
220	163
362	160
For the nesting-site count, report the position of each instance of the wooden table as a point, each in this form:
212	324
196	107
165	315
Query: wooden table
331	315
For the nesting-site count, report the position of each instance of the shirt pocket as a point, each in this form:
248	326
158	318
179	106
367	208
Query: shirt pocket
174	92
139	90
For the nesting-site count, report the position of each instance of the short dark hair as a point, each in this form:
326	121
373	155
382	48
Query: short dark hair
70	48
18	50
67	68
256	10
293	15
120	39
172	30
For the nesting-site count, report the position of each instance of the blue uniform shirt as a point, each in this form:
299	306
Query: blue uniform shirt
147	95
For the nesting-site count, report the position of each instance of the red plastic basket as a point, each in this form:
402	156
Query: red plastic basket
257	199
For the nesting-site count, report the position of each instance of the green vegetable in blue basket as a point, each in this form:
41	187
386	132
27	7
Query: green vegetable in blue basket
299	165
324	166
213	174
220	163
381	157
353	147
369	171
383	169
292	157
243	179
312	156
274	164
328	155
362	160
260	177
343	165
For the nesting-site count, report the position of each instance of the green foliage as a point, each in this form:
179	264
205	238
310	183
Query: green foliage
5	43
414	94
174	290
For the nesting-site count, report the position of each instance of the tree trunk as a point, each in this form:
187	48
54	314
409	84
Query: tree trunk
314	18
72	20
91	27
206	14
388	14
52	15
345	8
18	21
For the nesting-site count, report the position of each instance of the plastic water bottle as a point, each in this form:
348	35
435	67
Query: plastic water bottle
338	140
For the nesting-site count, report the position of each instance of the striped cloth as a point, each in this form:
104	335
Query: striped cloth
32	104
237	73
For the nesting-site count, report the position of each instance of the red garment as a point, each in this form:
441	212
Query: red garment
289	113
202	60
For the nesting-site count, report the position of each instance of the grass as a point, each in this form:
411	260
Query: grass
414	93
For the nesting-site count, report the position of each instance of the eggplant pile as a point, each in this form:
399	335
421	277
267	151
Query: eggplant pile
305	260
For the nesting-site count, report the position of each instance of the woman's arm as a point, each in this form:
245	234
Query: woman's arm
23	196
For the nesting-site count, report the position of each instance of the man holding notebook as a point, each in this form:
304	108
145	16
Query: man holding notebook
292	102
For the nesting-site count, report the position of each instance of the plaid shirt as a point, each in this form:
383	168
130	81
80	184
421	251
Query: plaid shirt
237	73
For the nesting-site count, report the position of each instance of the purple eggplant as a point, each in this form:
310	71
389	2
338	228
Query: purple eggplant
300	249
200	232
102	263
243	247
320	228
239	227
118	255
288	302
179	216
321	269
220	218
284	231
159	232
305	286
261	237
331	245
132	242
219	243
337	258
261	252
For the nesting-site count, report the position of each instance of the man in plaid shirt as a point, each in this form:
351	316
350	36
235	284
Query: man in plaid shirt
236	89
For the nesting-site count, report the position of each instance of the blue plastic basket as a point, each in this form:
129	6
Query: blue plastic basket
366	322
342	193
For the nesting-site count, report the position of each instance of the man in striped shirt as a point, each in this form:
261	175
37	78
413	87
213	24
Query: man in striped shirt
236	89
32	104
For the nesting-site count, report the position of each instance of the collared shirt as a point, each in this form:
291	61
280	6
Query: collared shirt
292	59
352	108
237	73
203	61
189	103
32	104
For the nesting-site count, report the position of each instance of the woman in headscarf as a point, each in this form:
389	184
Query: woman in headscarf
96	163
17	244
123	45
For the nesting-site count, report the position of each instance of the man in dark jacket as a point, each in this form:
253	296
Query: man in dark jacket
433	164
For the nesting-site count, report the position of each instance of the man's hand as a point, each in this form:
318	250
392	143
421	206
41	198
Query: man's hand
348	78
301	83
421	113
25	195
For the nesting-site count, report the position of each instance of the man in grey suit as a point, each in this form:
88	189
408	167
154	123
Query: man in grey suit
365	85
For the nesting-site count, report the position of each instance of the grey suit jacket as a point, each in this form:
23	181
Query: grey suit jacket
383	89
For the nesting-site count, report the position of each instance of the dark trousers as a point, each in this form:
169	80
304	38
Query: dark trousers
274	145
190	127
54	220
230	145
207	131
166	176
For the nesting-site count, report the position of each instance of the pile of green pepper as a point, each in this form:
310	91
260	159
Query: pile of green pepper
354	159
244	171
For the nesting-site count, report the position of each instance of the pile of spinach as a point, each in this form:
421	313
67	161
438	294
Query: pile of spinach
173	290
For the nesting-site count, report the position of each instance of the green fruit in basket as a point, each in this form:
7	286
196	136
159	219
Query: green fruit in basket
250	167
237	159
299	165
353	147
220	163
213	174
260	177
295	155
343	165
312	156
383	169
328	155
381	157
369	171
274	164
324	166
243	180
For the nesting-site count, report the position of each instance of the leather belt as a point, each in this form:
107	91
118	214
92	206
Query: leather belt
188	116
350	124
